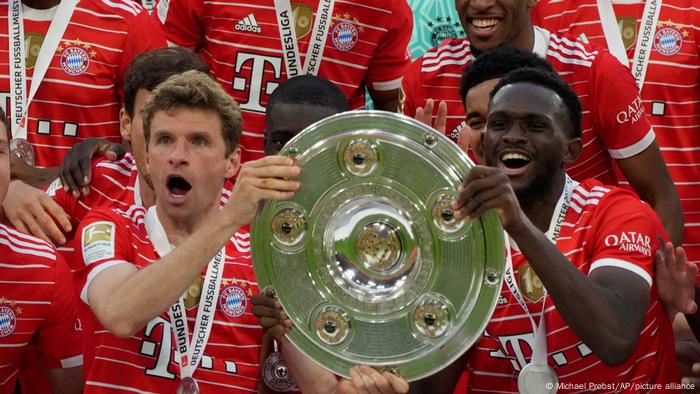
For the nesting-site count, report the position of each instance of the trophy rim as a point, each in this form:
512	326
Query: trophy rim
494	257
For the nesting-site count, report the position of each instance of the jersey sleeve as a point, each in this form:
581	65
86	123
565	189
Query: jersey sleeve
625	237
64	199
411	87
182	22
621	119
104	243
392	55
77	208
59	341
144	34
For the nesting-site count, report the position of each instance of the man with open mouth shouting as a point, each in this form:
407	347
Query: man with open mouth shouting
139	263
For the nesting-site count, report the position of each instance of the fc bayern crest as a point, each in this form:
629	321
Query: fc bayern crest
442	29
75	60
668	41
233	301
345	35
8	321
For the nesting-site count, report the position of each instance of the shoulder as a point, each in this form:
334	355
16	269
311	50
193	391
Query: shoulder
102	166
19	249
451	56
568	52
606	200
133	215
238	245
123	12
377	9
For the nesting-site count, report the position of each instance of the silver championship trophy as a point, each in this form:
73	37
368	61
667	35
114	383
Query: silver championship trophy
368	259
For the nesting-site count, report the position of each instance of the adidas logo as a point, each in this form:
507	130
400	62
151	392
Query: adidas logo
249	23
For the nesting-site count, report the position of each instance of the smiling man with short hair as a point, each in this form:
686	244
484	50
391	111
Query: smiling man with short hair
578	304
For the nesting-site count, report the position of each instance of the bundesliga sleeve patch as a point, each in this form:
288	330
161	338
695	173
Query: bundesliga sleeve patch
98	242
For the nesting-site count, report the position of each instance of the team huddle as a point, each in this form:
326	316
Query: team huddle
139	140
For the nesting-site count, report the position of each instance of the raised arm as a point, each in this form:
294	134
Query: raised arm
152	290
608	309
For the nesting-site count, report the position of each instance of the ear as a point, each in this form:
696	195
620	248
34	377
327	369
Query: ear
125	125
531	3
574	146
233	163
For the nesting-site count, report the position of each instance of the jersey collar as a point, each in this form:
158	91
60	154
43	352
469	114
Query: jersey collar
542	38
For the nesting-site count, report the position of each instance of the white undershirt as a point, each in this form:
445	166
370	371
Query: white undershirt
34	14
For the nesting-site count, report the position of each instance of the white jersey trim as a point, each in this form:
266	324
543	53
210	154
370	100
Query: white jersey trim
71	362
634	149
626	265
114	386
94	273
34	14
388	85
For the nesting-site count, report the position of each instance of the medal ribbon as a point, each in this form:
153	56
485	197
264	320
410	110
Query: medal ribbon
317	43
18	72
539	353
190	352
642	50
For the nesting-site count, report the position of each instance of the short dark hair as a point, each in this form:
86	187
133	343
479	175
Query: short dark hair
195	89
311	90
496	63
552	81
150	69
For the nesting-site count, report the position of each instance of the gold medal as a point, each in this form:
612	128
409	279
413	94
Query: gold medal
194	293
530	284
537	379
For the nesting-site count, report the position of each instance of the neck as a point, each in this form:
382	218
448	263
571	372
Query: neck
539	204
148	196
41	4
526	38
179	230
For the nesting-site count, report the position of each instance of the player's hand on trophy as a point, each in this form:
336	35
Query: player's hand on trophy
367	380
32	211
487	188
675	280
273	318
76	169
425	115
268	178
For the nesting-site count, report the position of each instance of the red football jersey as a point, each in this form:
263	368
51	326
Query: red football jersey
113	185
146	362
604	226
671	90
79	99
366	46
605	87
38	306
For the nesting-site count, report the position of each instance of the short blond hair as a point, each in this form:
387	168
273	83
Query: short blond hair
195	89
